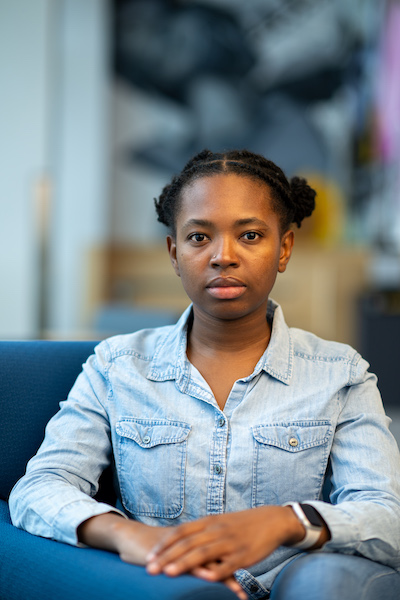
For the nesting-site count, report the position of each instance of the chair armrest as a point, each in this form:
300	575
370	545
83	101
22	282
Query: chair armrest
36	568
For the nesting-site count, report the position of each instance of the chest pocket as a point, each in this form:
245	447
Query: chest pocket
290	461
151	460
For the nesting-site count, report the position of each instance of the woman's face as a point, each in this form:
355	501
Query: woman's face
228	246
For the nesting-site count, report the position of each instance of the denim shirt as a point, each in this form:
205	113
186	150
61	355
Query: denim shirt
307	425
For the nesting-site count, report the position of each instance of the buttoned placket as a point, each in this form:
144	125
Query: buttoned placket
199	388
218	459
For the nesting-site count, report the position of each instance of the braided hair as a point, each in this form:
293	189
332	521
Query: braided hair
293	199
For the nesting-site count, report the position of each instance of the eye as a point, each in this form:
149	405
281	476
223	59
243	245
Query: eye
250	236
197	237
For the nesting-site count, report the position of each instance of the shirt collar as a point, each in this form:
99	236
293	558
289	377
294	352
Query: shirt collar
277	360
170	361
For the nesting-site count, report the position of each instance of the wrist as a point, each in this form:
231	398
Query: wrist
101	531
313	526
296	531
124	530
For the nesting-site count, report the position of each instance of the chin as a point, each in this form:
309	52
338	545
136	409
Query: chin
227	311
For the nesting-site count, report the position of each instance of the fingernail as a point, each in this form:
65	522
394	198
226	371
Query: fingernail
170	569
152	568
151	556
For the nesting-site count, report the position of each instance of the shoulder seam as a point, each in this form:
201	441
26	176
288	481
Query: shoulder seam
322	357
353	365
112	354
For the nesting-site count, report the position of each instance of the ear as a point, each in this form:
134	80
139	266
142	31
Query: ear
287	242
171	243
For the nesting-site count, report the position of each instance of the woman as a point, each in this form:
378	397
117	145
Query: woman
240	445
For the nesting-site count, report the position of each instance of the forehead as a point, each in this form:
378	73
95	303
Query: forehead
225	192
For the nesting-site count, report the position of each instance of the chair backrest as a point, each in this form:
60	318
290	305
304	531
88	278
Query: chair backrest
34	377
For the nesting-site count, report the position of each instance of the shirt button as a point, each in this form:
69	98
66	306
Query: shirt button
293	442
253	588
221	422
217	469
146	439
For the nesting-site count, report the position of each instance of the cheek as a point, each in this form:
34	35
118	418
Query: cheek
264	277
188	267
268	264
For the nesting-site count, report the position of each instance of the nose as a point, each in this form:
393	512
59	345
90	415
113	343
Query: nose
224	254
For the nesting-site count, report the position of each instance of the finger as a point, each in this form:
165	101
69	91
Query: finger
220	570
236	588
177	548
187	557
207	572
176	534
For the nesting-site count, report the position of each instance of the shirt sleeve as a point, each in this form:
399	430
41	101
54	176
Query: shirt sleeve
56	494
363	508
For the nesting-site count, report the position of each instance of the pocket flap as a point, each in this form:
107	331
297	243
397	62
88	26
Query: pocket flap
148	433
293	436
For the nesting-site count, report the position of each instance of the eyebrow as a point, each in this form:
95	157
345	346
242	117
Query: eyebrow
238	223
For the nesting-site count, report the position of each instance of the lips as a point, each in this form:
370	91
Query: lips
225	282
226	288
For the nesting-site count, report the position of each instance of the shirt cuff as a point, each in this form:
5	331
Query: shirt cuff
72	515
341	524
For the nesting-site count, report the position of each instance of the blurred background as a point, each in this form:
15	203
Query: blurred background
103	100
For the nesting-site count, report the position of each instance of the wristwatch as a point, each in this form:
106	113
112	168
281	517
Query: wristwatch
311	521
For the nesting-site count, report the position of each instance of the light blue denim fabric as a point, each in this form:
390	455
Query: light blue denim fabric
324	576
307	425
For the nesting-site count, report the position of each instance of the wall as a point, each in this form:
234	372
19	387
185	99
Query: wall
54	79
81	164
24	93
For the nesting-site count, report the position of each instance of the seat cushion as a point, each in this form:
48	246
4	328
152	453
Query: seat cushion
37	568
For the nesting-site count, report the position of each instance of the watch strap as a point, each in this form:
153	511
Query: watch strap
312	531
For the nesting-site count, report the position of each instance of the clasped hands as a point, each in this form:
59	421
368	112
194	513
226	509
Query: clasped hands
213	547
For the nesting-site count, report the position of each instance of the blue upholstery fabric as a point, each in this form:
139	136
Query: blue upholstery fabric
36	569
34	378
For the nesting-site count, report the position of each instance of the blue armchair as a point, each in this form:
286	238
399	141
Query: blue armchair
34	377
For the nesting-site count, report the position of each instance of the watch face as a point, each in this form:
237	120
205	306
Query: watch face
312	515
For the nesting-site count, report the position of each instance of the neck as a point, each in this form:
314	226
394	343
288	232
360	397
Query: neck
212	336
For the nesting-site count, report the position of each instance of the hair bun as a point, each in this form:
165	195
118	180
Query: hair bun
303	198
